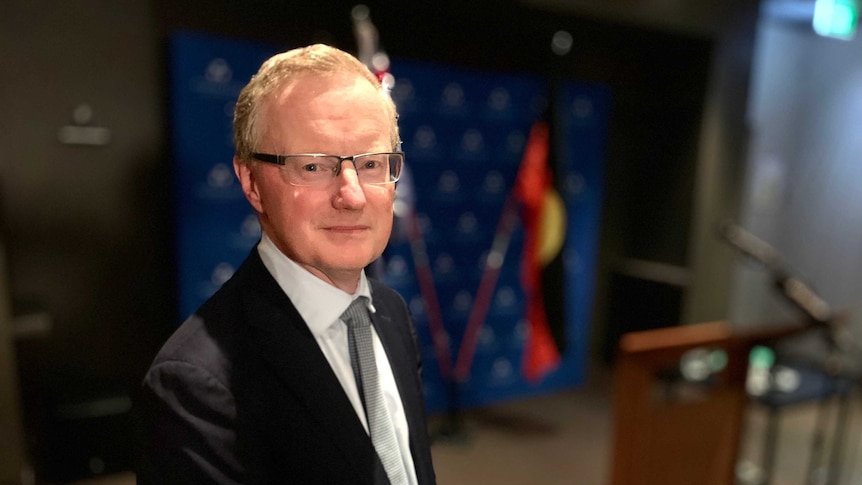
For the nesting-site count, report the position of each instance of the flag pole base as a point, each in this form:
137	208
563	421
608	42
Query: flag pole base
450	428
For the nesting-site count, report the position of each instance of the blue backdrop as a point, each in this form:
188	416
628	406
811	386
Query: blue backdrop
464	133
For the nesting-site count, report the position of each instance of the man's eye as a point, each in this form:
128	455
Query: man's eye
371	164
311	167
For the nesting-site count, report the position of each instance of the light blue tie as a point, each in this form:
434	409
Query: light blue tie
365	369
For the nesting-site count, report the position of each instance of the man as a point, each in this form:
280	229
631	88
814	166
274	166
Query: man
259	386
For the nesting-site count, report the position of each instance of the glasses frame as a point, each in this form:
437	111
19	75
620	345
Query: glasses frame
282	159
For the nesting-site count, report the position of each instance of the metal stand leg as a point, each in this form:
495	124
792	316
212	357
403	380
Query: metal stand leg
816	458
769	445
838	440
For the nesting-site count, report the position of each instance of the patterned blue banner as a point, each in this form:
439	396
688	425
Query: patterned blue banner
215	226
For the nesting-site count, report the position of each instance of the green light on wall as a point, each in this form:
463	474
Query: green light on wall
836	18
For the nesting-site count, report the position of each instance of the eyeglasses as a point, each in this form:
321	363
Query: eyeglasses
319	170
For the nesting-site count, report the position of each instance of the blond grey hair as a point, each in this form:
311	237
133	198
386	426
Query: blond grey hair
279	71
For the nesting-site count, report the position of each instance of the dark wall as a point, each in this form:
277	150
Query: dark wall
88	229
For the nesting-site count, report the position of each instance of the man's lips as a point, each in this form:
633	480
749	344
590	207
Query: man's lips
347	229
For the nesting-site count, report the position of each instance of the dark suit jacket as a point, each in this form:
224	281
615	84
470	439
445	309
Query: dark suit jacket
241	393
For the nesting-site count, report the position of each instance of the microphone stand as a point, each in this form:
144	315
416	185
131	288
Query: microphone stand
821	317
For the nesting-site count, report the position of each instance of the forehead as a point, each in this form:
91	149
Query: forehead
312	91
315	105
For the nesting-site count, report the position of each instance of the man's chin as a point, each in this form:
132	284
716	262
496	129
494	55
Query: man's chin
347	257
349	264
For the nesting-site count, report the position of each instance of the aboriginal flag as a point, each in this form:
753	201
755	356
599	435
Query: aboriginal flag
544	224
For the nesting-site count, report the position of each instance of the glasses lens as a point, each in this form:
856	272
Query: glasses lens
310	170
379	168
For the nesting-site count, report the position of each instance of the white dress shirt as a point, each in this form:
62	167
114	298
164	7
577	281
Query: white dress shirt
320	305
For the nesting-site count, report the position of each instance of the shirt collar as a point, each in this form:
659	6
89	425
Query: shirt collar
318	303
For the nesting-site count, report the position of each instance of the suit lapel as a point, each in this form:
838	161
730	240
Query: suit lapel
398	344
395	351
283	339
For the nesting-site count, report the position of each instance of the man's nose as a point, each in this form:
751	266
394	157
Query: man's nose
350	192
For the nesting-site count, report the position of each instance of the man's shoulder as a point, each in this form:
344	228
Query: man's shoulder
217	327
197	344
226	307
208	338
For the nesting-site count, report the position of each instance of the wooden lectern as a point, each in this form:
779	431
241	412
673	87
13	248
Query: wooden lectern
681	434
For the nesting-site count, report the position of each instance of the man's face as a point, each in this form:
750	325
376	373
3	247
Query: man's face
335	231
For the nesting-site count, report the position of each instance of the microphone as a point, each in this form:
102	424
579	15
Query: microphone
791	287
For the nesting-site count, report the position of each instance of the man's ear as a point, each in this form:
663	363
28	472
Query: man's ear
248	180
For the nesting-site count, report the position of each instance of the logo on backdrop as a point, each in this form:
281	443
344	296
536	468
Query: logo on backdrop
220	185
216	81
